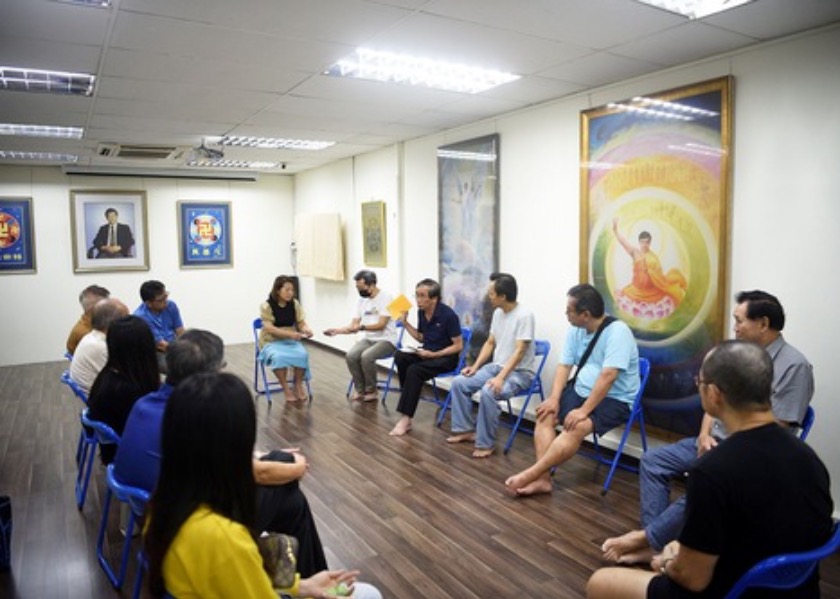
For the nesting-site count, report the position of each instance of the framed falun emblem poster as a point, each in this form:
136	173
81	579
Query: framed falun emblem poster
655	184
205	234
17	245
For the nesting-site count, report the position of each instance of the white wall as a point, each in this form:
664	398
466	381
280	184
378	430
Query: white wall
784	214
39	309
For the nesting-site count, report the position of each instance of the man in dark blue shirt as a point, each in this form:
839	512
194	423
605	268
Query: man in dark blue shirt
439	330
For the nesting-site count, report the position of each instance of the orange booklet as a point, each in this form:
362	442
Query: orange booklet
400	305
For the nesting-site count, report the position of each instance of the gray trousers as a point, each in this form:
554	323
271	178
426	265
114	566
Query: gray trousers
361	361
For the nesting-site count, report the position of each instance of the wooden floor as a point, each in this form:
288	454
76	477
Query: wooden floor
419	518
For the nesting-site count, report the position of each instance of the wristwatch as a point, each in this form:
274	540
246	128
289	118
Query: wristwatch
361	327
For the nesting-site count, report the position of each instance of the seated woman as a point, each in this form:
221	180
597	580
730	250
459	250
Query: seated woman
200	539
130	373
284	325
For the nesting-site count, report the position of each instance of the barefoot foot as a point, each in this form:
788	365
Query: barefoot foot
483	452
402	427
461	438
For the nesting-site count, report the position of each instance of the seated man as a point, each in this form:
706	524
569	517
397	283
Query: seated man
163	317
510	344
92	351
87	299
282	506
373	319
597	399
760	318
761	493
439	330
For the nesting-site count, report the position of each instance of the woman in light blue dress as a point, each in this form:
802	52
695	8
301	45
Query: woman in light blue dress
284	325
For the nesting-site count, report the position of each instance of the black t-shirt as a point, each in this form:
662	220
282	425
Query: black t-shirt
111	399
760	493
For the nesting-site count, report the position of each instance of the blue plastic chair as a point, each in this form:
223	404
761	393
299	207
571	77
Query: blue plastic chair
94	433
636	414
260	372
541	350
786	571
807	423
78	392
466	335
386	385
137	499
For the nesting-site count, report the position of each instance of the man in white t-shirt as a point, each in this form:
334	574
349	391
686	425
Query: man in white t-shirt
92	351
503	368
373	319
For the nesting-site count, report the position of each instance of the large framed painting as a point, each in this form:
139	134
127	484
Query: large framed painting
109	230
468	205
205	234
17	244
655	184
374	234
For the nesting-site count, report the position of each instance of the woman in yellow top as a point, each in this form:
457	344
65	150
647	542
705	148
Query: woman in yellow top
649	284
199	540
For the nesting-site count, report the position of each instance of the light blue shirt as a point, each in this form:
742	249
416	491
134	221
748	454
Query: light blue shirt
616	348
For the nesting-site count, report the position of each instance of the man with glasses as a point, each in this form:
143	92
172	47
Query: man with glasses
761	493
760	318
603	352
163	317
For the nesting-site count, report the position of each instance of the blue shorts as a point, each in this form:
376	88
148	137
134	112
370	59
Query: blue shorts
607	415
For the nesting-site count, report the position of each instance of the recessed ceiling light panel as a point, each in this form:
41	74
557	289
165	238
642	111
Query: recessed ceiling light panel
231	164
695	9
424	72
272	143
21	79
44	156
41	131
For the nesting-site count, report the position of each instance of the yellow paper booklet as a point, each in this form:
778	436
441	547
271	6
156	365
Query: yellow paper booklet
400	304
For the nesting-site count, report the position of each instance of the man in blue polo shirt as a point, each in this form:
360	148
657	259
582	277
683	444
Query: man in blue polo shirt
439	330
163	317
600	399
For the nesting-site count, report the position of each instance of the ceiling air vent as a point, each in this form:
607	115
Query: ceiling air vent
139	152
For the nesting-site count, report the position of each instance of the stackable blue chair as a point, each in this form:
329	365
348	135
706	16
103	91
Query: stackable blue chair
386	384
541	350
94	433
137	499
84	436
466	335
260	372
807	423
786	571
636	414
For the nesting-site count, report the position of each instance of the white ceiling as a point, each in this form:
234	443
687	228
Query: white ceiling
173	72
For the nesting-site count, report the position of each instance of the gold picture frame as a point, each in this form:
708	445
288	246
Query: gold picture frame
374	234
655	192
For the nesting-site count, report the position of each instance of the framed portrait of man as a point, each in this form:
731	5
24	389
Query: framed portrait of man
109	230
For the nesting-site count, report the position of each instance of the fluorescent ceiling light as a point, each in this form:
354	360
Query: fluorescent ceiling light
41	131
231	164
662	109
55	82
410	70
47	156
695	9
475	156
91	3
274	143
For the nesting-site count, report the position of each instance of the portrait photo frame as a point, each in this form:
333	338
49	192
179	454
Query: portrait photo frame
374	234
655	193
205	234
468	230
98	247
17	241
